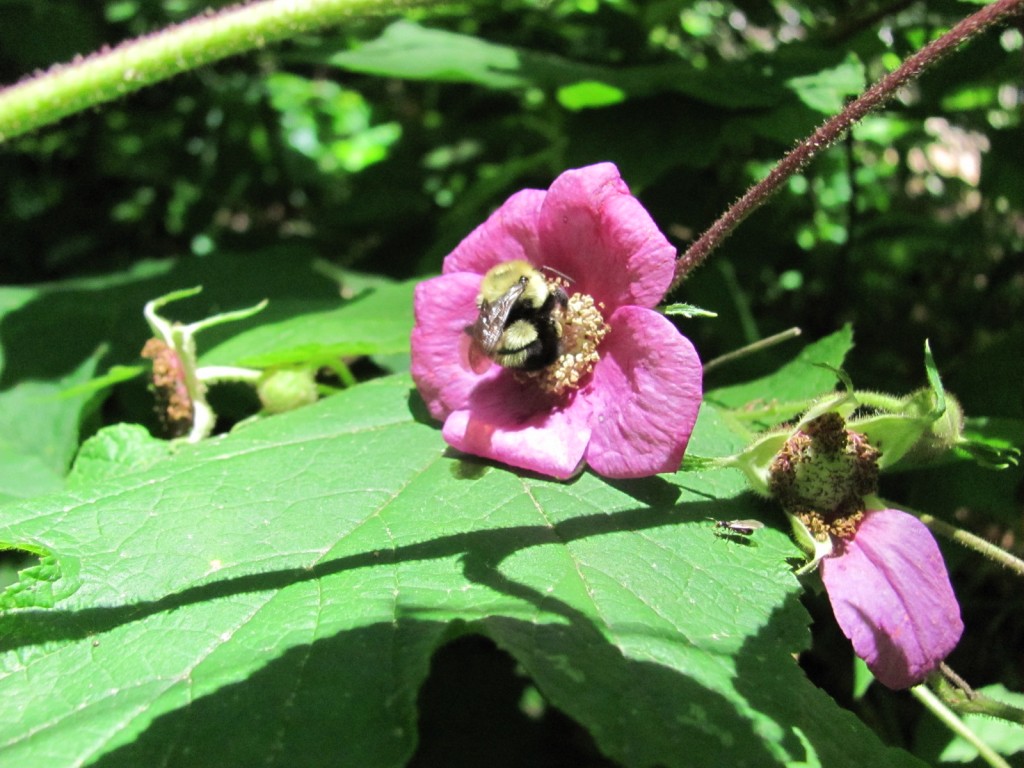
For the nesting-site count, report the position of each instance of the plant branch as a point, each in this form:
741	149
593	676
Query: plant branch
952	721
109	74
877	95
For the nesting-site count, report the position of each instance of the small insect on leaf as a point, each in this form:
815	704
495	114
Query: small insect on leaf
740	527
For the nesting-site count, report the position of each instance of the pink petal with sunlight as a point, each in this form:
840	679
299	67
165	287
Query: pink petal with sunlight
891	595
516	425
646	394
593	230
444	307
508	233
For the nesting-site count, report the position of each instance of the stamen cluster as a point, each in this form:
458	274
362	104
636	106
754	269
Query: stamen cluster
583	329
822	475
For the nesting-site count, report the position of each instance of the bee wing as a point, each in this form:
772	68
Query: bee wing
490	325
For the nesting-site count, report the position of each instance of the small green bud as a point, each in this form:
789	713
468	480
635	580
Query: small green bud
946	430
918	430
286	389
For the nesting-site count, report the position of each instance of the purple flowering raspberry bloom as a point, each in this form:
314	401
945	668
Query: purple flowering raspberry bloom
632	410
891	595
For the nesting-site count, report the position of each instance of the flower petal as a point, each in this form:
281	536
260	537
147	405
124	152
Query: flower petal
595	232
891	596
508	233
445	307
646	394
515	424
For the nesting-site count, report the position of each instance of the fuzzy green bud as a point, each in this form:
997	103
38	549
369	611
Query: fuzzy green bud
944	433
286	389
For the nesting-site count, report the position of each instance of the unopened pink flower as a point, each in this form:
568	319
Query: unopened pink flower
632	411
891	595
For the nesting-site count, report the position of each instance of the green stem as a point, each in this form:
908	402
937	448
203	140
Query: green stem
950	719
974	542
750	349
214	374
954	692
107	75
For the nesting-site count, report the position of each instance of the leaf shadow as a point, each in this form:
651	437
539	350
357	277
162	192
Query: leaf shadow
323	703
349	698
32	626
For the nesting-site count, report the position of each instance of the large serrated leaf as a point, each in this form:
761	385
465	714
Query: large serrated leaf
273	597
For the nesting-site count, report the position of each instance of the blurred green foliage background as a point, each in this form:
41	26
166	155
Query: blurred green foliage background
380	145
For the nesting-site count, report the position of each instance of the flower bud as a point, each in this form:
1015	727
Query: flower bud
944	433
174	403
286	389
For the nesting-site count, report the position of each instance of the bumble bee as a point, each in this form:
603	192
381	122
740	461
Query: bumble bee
519	323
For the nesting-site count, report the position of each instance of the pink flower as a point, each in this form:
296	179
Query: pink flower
892	598
881	568
632	410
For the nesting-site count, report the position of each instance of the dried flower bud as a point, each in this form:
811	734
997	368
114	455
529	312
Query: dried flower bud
173	403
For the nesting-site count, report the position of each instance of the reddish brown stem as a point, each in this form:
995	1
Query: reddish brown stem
832	129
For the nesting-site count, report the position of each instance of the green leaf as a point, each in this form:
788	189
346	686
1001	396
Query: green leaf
687	310
377	322
785	392
115	375
826	91
413	52
293	578
898	433
23	475
588	94
331	125
42	585
39	432
934	380
115	451
993	443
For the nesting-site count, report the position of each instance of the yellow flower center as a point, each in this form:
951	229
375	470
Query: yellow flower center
583	328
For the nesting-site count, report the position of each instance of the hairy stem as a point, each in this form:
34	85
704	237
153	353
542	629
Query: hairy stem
109	74
877	95
952	721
